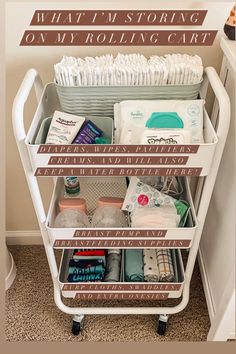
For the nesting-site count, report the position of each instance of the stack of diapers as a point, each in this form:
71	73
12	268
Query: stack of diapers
152	208
159	122
129	70
149	265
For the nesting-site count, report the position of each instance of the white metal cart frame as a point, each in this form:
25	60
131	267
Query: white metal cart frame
202	198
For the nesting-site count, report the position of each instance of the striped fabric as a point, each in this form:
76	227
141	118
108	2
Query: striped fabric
165	265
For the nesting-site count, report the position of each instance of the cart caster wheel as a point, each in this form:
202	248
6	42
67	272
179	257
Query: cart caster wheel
161	328
76	328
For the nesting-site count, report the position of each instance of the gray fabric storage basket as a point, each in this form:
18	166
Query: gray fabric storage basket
99	100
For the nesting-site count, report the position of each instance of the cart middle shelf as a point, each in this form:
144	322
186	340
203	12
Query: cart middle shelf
94	187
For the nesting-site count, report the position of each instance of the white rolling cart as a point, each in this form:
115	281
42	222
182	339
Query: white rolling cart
201	160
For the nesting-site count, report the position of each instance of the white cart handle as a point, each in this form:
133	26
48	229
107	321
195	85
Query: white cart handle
206	185
211	77
223	101
31	79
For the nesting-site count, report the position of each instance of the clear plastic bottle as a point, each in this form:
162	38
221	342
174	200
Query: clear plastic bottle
71	218
108	216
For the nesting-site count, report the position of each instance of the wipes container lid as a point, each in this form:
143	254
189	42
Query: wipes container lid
164	120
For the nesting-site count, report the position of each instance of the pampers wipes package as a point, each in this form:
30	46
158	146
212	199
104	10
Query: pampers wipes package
159	122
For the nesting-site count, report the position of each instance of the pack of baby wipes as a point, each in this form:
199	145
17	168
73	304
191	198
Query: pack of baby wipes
159	121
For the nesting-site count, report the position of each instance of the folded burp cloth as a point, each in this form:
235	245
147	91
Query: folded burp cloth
165	265
151	271
134	265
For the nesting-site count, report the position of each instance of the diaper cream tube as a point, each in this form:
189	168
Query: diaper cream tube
63	128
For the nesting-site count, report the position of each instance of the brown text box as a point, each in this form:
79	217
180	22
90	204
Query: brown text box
122	287
75	243
118	38
117	149
118	160
121	296
118	17
119	233
116	171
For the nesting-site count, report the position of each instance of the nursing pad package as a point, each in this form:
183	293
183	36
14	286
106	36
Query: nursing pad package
159	122
141	195
164	216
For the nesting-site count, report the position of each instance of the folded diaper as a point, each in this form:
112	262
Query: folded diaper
131	118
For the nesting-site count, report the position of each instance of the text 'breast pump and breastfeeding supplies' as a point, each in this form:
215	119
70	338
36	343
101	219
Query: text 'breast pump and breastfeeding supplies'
159	122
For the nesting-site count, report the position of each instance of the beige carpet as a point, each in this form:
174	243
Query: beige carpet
31	314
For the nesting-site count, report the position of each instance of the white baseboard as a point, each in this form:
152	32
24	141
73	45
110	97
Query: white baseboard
232	335
205	282
29	237
11	273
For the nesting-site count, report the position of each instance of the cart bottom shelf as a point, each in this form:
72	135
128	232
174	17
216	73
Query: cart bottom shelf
122	290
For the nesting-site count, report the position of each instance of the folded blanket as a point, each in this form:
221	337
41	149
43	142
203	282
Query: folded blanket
151	271
165	265
113	267
89	259
85	277
91	253
134	265
83	263
87	270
